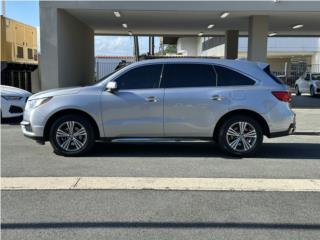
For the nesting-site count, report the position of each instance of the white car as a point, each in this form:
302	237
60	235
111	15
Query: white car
308	83
13	101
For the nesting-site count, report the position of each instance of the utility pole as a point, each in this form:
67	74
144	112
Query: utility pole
136	47
3	2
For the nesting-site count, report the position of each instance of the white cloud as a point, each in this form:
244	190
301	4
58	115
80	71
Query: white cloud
120	45
113	46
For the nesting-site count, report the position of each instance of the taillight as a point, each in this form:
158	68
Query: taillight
282	96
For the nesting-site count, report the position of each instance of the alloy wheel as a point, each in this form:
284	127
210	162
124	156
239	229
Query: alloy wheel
241	136
71	136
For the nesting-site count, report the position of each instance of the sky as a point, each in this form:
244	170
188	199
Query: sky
28	12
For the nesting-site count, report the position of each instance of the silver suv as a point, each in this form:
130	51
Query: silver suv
231	102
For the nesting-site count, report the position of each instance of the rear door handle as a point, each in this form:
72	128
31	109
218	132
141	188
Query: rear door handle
152	99
217	97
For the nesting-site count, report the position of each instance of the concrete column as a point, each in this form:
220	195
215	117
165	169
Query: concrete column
258	38
136	47
67	50
188	46
151	45
231	44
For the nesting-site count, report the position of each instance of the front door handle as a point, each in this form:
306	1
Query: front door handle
217	97
152	99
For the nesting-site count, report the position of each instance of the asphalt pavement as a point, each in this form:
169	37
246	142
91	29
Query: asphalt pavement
163	214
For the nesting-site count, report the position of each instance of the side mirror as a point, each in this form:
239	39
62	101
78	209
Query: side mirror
111	86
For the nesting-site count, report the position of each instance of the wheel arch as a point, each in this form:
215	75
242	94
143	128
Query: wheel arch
263	123
69	111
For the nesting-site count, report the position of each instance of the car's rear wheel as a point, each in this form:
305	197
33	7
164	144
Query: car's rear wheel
312	91
71	135
298	93
240	136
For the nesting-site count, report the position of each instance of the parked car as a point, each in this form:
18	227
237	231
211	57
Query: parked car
234	103
308	83
13	101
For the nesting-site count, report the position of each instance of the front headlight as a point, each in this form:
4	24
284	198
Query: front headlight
11	98
34	103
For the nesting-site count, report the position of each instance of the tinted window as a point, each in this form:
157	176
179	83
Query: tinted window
316	76
228	77
307	77
188	75
140	78
276	79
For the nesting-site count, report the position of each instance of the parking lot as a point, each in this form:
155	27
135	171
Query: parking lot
164	214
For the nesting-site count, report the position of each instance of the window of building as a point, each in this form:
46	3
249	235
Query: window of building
19	52
228	77
35	55
188	75
30	53
140	78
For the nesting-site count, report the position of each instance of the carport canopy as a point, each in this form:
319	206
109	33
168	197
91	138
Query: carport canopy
68	28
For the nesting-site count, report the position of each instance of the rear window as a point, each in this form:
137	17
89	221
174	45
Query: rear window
276	79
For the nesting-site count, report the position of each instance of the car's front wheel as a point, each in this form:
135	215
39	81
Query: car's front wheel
298	93
240	136
71	135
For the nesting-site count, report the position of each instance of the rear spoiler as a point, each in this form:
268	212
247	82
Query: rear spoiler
263	66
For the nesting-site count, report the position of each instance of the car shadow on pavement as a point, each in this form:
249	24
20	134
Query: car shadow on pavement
11	121
159	225
205	150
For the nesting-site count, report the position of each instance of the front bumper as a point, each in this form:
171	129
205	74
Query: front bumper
29	132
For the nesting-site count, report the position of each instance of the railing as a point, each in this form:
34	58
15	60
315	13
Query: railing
296	71
105	68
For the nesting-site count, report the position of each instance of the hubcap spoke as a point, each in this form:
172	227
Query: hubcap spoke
251	134
235	143
61	133
70	125
77	143
80	132
232	132
242	126
245	144
66	143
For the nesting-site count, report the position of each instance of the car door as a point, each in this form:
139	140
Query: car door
191	100
135	108
305	83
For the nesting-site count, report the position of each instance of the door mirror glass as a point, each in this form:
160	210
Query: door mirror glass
111	86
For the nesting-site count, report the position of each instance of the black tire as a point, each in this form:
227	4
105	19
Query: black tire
312	92
298	93
225	139
79	122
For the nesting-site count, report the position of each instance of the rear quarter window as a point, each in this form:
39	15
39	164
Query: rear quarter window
270	74
228	77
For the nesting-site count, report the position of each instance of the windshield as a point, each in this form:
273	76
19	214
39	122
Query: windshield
316	76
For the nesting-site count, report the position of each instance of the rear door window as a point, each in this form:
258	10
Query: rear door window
228	77
182	75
